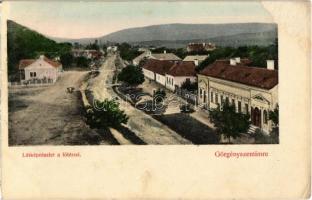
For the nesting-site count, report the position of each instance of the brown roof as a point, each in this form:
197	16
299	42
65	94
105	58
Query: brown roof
158	66
183	68
51	62
240	73
165	56
26	62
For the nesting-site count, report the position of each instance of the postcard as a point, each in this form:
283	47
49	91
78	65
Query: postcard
155	99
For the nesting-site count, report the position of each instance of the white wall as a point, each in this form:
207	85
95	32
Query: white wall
149	74
161	79
42	69
172	81
238	92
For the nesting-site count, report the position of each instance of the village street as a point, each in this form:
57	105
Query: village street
49	115
141	126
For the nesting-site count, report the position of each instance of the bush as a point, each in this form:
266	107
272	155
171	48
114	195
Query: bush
159	95
228	122
105	114
262	138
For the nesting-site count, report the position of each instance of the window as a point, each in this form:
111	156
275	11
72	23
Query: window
221	99
265	116
33	74
200	93
246	108
239	106
227	100
211	99
216	96
233	102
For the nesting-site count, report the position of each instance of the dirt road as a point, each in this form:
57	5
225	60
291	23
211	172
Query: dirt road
143	127
49	115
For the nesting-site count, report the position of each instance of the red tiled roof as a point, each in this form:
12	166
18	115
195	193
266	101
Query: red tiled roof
26	62
51	62
158	66
240	73
183	68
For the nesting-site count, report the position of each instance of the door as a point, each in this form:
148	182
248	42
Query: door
256	117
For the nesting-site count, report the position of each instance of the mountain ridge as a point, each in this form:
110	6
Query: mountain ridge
178	31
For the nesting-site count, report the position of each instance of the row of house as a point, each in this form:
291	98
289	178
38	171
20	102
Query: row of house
170	74
250	89
87	53
147	54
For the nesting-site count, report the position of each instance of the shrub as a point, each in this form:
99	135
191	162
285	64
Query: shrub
104	114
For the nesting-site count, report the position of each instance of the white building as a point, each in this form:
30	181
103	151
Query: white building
156	70
40	69
250	89
180	72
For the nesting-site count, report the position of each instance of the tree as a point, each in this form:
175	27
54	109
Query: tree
273	116
82	62
228	122
67	60
189	86
132	75
105	114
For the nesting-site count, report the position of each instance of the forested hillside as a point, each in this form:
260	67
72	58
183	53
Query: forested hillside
24	43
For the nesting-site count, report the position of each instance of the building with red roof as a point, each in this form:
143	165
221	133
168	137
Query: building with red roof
251	89
41	68
170	74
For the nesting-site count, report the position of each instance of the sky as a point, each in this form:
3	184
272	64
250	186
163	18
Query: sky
94	19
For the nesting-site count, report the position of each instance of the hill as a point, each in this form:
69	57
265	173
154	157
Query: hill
24	43
178	35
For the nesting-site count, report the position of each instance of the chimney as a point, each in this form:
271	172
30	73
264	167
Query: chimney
237	60
165	51
270	64
232	62
196	62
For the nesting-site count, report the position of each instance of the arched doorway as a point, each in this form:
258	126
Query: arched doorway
256	117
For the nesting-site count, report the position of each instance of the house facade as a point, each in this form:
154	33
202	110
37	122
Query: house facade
40	69
156	70
180	72
251	90
170	74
